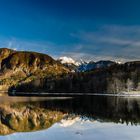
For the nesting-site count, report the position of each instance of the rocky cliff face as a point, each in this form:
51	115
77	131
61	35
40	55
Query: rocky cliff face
20	66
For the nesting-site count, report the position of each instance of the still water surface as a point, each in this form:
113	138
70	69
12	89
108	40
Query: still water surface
77	118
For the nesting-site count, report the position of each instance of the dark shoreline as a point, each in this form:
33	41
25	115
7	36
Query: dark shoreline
70	94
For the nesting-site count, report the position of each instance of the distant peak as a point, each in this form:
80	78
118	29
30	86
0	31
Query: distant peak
67	60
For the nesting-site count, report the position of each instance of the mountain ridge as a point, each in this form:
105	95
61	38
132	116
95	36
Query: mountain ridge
17	66
82	66
35	72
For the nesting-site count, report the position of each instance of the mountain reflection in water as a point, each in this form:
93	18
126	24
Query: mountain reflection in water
19	114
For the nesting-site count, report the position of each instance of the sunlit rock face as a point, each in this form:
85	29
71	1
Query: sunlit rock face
26	117
18	67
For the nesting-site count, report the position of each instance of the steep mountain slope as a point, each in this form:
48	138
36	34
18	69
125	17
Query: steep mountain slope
82	67
22	66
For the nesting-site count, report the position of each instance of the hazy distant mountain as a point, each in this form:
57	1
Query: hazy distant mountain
94	65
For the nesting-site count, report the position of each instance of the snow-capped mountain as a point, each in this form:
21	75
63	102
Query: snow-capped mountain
83	66
68	60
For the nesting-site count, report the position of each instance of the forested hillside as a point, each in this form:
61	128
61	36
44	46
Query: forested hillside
115	79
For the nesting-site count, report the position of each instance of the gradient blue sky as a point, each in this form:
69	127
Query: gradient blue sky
87	29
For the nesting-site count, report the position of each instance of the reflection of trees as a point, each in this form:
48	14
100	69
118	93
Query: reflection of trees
114	109
18	117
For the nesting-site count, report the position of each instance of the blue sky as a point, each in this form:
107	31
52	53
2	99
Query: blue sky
87	29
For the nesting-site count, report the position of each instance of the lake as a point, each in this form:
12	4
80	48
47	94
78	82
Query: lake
67	118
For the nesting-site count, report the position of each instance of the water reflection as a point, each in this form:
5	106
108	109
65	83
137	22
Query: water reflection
26	117
31	114
113	109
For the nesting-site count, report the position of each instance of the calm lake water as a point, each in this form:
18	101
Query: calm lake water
70	118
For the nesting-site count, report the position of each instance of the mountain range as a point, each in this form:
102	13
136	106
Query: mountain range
83	66
35	72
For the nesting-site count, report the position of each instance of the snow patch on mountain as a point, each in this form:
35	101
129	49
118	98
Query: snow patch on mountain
68	60
83	66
